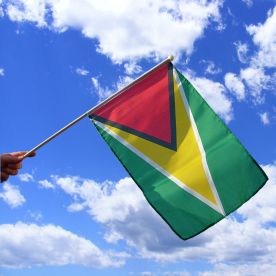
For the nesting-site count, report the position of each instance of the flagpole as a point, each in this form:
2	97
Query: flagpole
93	109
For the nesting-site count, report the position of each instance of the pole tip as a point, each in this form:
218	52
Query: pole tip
171	57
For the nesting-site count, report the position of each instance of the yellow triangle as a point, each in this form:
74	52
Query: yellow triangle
186	163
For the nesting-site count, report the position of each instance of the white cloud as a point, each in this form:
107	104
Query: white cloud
28	10
82	72
75	207
1	9
12	196
105	91
46	184
264	36
2	71
235	85
211	67
257	81
126	29
249	240
242	50
252	269
101	91
37	216
262	207
214	93
25	177
264	118
28	245
123	81
255	76
132	68
249	3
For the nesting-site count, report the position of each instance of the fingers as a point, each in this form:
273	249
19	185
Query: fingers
15	166
20	154
9	159
4	176
9	171
11	163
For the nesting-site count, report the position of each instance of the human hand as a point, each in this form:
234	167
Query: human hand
11	163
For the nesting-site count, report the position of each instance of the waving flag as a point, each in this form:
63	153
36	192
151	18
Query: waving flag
191	168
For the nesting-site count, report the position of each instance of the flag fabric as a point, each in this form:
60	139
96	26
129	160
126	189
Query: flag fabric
190	167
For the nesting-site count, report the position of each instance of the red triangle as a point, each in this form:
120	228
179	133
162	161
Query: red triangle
143	109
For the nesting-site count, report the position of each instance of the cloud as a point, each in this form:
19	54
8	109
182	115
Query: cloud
211	67
104	92
27	245
252	269
264	37
257	81
28	10
82	72
25	177
214	93
242	50
101	91
235	85
46	184
1	9
264	118
249	3
12	196
233	242
37	216
2	71
132	68
122	32
256	76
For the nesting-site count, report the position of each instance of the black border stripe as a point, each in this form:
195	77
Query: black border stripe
172	106
172	145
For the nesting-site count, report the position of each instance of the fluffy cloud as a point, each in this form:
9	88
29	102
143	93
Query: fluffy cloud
249	3
252	269
25	177
28	10
82	72
46	184
104	91
121	31
1	9
235	85
242	50
101	91
255	75
121	207
264	36
27	245
2	71
132	68
12	196
264	118
214	93
257	81
211	67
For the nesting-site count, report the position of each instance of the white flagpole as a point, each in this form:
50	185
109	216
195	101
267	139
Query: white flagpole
93	109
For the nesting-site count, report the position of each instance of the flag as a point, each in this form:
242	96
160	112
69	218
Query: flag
190	167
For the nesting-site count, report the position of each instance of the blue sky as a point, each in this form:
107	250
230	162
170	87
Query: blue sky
73	210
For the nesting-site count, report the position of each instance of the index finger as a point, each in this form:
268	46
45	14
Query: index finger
21	154
9	159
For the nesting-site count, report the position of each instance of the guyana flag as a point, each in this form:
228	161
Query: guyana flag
190	167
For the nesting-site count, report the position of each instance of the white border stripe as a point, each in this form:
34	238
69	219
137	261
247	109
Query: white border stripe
199	142
160	169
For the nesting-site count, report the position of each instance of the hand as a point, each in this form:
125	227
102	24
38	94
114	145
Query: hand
11	163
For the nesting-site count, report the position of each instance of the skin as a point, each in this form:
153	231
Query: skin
11	163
